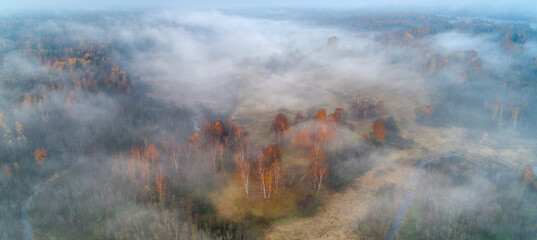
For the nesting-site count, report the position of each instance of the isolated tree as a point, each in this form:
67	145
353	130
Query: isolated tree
40	156
161	185
269	170
427	113
280	126
528	174
279	175
260	171
318	175
321	115
269	181
243	168
379	130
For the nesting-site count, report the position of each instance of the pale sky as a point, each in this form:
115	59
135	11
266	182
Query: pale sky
508	7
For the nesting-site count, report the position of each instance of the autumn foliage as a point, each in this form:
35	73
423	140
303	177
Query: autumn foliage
141	161
152	154
321	115
280	126
269	170
161	185
40	156
379	131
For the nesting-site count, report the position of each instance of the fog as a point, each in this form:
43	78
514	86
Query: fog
157	123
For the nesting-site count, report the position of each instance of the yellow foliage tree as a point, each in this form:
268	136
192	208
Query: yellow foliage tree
40	155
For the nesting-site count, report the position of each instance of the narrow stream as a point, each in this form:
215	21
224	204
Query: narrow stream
27	233
25	220
407	198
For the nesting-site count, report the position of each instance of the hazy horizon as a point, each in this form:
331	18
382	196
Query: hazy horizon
519	8
268	120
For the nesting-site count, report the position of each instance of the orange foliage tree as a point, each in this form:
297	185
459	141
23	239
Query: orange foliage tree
195	139
161	185
269	170
379	130
40	155
321	115
273	153
280	126
152	154
269	182
141	160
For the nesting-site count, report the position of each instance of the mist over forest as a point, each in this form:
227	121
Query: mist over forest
268	121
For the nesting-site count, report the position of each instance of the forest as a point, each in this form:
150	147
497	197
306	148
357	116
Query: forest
291	124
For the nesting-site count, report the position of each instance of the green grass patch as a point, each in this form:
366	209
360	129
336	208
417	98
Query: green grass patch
412	219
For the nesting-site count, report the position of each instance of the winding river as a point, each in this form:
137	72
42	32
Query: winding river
27	233
407	198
